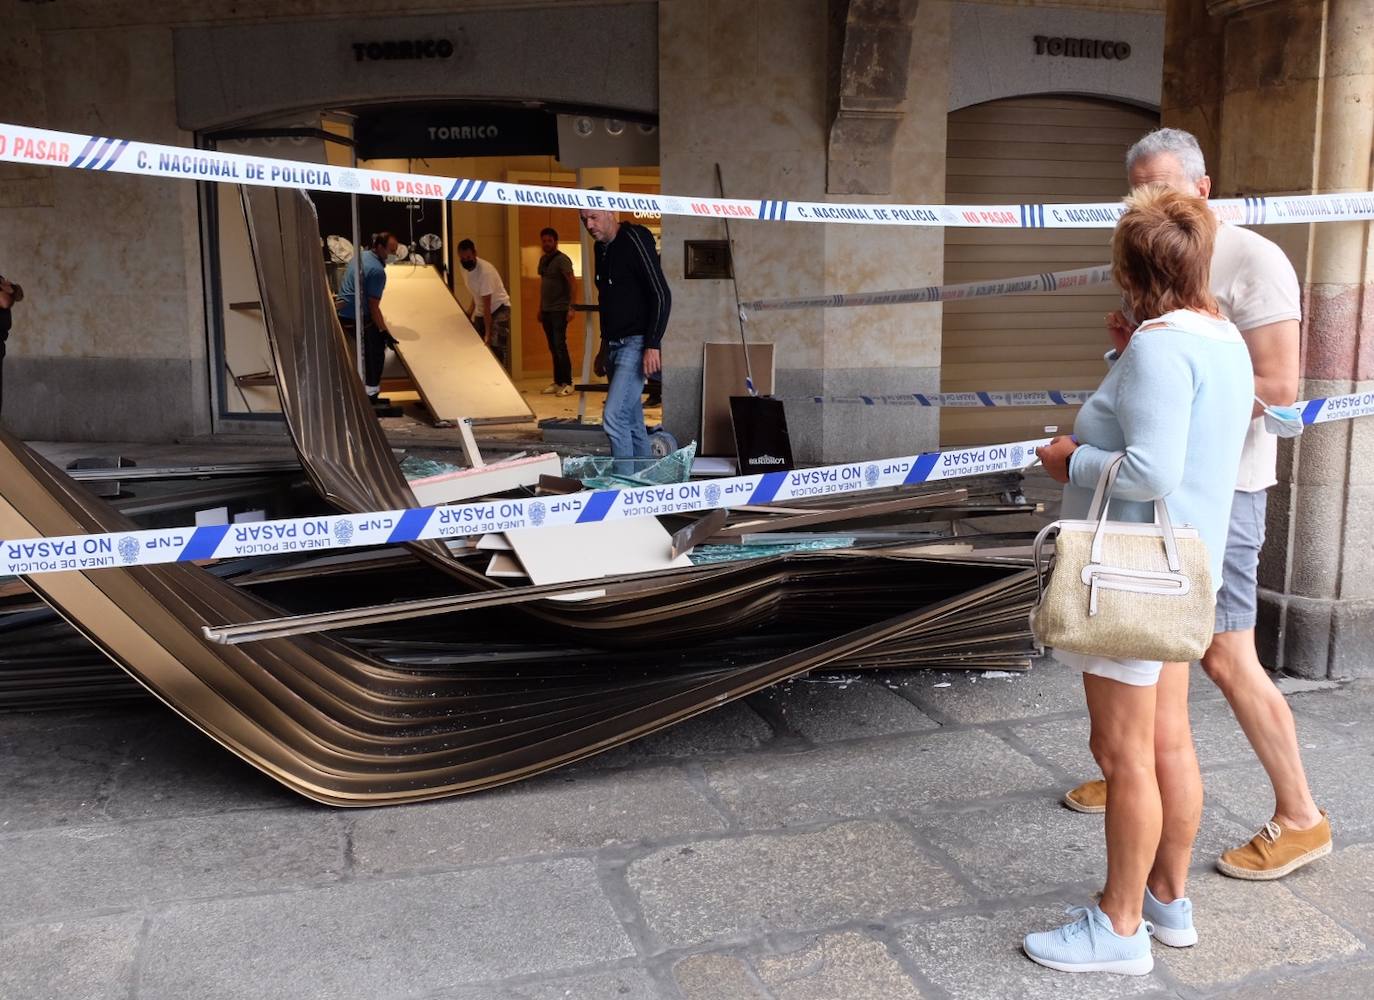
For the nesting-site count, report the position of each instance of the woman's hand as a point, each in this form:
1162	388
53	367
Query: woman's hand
1055	457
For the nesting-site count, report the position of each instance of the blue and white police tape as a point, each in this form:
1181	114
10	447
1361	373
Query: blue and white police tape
311	534
49	148
1324	411
1027	397
1047	281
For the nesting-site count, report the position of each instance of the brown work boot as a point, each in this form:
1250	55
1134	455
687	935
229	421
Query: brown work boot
1089	797
1274	852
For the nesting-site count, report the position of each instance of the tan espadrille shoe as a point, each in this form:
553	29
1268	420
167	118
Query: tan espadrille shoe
1089	797
1274	852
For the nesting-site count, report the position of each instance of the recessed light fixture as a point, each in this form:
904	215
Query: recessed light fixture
584	127
614	126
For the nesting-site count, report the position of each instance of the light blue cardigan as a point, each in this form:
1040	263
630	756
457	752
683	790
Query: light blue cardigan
1178	403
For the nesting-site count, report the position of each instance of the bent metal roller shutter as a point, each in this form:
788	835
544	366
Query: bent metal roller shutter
1029	149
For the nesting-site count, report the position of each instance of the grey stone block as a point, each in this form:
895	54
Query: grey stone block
728	729
827	708
1342	886
1245	790
1332	984
74	960
1307	636
978	956
1353	642
55	768
860	433
1318	527
1026	848
555	813
175	770
92	399
47	873
850	965
713	977
735	889
1248	927
860	780
970	697
385	938
622	984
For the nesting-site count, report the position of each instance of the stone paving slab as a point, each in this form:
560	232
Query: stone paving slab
1342	885
979	957
1248	927
55	768
1339	780
723	891
44	874
74	960
973	697
851	965
717	977
730	729
553	814
628	984
1026	847
896	774
173	769
825	708
1348	982
387	938
1348	711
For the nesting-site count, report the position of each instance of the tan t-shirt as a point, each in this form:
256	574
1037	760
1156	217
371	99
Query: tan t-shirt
1255	285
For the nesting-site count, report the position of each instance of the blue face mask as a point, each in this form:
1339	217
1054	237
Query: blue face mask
1282	421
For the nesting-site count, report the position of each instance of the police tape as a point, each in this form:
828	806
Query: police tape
1026	397
340	531
1026	284
312	534
49	148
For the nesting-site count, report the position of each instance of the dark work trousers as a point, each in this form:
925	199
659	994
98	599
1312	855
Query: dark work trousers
374	352
555	326
2	375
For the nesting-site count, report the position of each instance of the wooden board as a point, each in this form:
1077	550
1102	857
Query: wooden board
589	551
456	374
486	480
722	376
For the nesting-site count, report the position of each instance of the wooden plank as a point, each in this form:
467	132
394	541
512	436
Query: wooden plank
488	480
456	374
570	552
881	508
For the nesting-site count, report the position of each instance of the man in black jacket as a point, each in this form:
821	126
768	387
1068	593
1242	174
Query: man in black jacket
634	301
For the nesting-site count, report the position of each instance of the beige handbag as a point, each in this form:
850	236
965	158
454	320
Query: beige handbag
1125	590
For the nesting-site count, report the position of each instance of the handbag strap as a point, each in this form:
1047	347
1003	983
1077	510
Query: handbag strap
1101	504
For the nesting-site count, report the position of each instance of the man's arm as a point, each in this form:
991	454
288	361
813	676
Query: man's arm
660	300
1274	355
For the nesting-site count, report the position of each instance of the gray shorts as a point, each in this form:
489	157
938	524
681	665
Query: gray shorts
1237	601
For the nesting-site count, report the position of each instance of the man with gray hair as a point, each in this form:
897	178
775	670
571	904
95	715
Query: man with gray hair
1256	288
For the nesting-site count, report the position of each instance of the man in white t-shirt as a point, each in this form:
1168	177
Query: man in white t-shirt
490	313
1256	288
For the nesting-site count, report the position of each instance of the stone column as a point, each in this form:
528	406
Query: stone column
1292	110
1318	602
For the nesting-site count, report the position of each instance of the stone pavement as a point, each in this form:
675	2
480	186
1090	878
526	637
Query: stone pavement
885	837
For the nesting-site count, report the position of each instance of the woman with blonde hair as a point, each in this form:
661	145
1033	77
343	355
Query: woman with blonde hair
1177	401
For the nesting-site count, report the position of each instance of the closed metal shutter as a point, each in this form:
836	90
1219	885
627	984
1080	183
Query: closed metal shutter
1029	149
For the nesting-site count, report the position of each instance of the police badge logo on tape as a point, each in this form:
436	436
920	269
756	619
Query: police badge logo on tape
536	513
1017	454
871	475
349	181
713	494
128	549
343	532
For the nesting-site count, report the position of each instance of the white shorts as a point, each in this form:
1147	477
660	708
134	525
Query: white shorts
1139	673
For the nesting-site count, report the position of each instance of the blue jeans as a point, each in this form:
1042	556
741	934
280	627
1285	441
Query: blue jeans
623	417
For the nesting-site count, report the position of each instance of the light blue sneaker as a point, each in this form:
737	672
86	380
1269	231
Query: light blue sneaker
1089	944
1171	923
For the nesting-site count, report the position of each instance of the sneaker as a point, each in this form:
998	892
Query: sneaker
550	389
1274	852
1089	944
565	390
1170	923
1089	797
